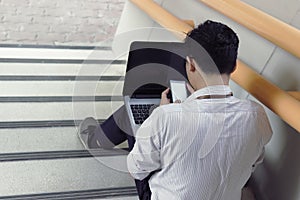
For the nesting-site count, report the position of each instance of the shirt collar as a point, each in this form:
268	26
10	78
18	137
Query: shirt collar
210	90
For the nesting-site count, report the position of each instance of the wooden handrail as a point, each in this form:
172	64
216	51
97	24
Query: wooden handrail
191	23
295	94
267	93
281	34
165	19
277	100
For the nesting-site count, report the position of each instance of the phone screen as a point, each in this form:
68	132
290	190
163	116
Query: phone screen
178	89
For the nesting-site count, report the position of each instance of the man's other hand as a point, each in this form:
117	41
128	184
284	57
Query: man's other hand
164	99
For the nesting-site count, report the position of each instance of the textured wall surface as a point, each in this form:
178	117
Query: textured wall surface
58	21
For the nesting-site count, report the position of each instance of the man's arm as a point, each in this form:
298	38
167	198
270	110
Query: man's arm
145	155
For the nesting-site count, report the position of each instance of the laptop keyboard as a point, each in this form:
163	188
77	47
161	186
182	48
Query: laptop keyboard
140	112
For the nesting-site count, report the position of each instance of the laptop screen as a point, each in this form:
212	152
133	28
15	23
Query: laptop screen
151	66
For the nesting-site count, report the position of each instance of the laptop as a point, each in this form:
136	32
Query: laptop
150	67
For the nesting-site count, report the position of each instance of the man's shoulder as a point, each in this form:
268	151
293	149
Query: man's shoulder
239	105
170	108
249	105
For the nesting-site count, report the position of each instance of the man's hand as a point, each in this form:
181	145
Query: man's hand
164	99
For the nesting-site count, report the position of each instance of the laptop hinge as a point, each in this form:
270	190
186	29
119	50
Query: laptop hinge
145	96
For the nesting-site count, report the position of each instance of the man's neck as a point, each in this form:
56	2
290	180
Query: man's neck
211	80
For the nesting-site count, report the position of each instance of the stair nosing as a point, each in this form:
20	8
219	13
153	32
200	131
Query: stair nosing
69	47
84	194
56	99
60	78
58	155
61	61
41	124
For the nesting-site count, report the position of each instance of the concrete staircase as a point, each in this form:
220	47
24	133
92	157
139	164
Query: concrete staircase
45	91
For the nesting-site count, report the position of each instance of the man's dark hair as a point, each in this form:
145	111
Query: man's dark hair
219	41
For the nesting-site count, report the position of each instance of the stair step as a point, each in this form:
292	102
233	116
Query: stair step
64	54
60	69
48	176
56	111
41	140
61	88
121	193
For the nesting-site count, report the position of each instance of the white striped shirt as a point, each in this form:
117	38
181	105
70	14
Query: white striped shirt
202	149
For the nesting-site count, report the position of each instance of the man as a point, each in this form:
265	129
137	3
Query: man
202	148
205	147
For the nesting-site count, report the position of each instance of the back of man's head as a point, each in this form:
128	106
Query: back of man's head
219	41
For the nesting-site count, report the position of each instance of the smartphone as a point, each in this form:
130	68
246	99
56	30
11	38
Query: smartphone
178	90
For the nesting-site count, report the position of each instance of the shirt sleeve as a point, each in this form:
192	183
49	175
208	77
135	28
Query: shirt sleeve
265	128
266	133
145	155
259	160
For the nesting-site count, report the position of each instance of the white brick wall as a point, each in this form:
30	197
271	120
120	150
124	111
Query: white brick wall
74	22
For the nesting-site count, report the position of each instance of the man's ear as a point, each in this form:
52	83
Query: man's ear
191	63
